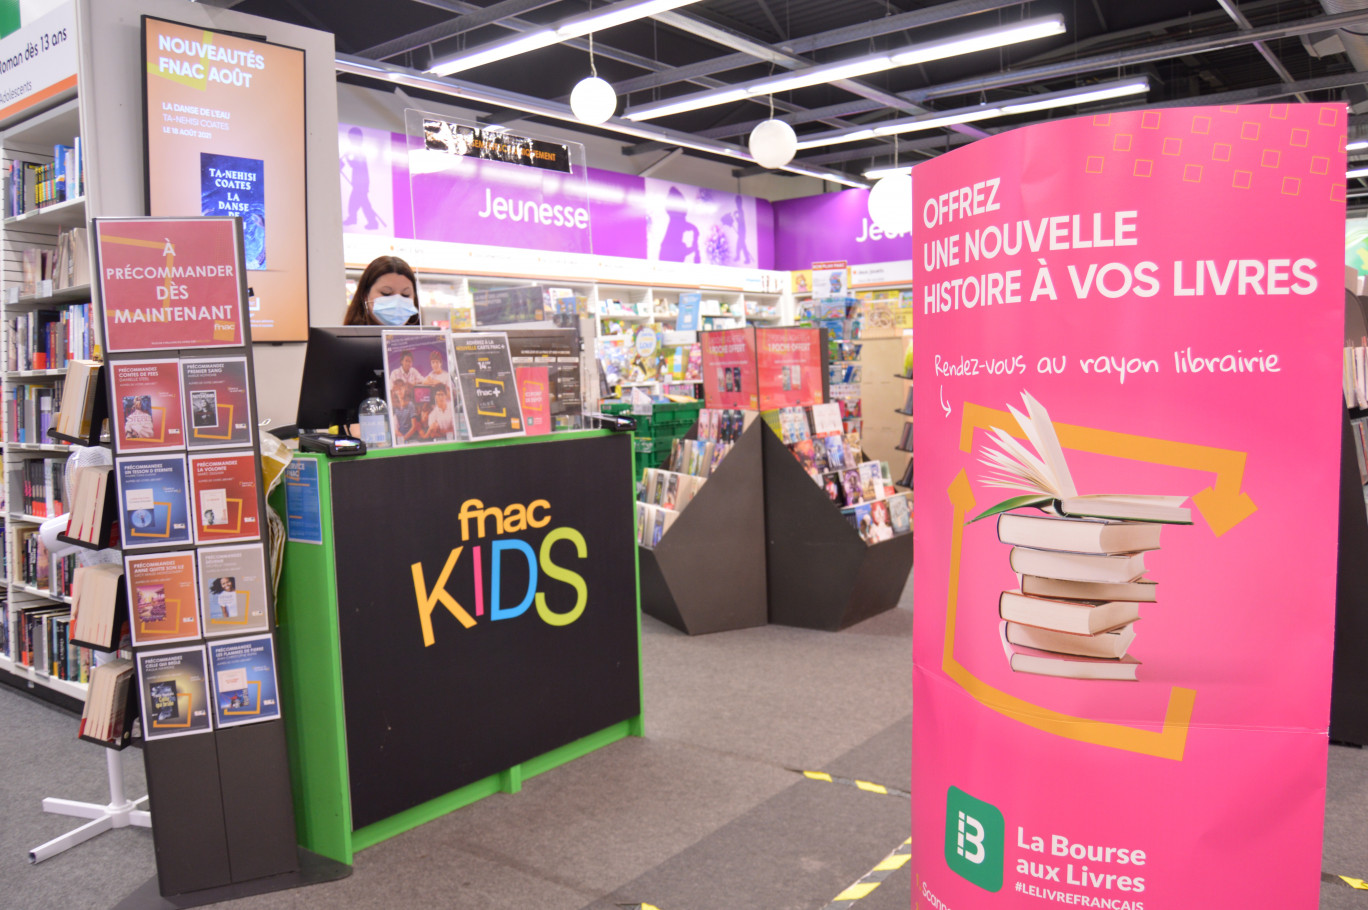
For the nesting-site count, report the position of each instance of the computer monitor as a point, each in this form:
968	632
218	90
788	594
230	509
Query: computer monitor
338	363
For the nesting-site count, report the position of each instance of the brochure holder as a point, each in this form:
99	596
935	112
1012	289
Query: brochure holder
108	535
702	576
821	574
117	628
99	413
131	712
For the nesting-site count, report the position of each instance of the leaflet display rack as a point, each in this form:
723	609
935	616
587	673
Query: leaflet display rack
702	576
222	818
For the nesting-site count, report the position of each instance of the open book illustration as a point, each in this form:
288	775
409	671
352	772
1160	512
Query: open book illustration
1044	480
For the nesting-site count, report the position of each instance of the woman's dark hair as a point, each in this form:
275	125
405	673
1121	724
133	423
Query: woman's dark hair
358	313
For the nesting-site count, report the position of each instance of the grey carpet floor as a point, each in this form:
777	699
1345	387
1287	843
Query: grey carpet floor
708	810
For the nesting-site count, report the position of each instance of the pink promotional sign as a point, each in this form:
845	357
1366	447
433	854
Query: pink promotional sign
729	373
789	367
1127	390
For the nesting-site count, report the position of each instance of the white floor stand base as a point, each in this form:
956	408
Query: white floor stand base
119	813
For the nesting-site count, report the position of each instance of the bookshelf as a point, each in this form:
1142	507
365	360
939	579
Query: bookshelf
43	324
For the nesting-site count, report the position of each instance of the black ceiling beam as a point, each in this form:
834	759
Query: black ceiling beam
1110	61
462	23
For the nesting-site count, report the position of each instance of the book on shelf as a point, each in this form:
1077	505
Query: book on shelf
1081	617
95	596
907	404
71	267
1079	535
106	716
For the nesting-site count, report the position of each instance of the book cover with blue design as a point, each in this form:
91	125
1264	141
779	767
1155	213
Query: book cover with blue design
230	185
153	503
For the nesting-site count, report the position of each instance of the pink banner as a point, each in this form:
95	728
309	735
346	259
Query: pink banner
729	376
1127	713
789	363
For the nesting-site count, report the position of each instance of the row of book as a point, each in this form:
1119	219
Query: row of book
30	411
109	712
66	265
39	636
905	438
1359	431
33	185
1356	375
723	424
881	519
33	565
652	523
37	486
49	339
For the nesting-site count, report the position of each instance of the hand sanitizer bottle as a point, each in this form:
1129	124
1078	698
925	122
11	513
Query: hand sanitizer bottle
373	416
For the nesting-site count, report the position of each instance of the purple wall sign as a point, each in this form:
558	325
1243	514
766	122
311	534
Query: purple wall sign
832	226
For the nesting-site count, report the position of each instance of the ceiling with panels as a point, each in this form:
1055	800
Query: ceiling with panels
1184	51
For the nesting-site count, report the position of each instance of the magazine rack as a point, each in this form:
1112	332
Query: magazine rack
704	574
821	574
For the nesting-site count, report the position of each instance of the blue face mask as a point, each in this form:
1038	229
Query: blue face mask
393	309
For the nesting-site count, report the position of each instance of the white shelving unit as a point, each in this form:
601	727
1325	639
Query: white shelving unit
32	140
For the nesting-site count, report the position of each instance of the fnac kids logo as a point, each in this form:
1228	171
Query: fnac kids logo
478	520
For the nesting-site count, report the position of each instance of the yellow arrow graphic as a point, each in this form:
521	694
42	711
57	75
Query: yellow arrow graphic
1167	742
1223	505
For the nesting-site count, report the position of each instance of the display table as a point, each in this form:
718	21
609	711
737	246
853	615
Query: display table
468	619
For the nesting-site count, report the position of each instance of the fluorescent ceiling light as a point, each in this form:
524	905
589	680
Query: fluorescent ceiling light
1358	172
878	173
1041	27
1357	145
1119	89
574	27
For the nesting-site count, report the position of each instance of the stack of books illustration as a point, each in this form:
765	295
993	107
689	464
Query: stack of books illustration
1080	559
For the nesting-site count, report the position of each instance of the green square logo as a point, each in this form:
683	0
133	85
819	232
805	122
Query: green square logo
974	833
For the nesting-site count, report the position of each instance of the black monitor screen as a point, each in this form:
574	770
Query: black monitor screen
340	360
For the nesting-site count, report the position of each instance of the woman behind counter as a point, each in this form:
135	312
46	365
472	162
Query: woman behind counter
386	294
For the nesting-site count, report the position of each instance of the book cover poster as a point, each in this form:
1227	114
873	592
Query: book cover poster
169	283
230	185
153	501
419	388
218	405
225	500
789	367
162	597
488	388
147	405
173	687
1134	317
244	676
233	589
729	370
534	393
254	125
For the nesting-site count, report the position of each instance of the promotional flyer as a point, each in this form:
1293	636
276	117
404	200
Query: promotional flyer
418	385
729	372
233	589
169	283
1127	389
225	136
489	391
218	408
175	692
789	367
147	399
153	507
225	497
243	670
161	596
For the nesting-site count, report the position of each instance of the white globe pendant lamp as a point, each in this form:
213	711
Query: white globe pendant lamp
593	100
890	204
773	143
